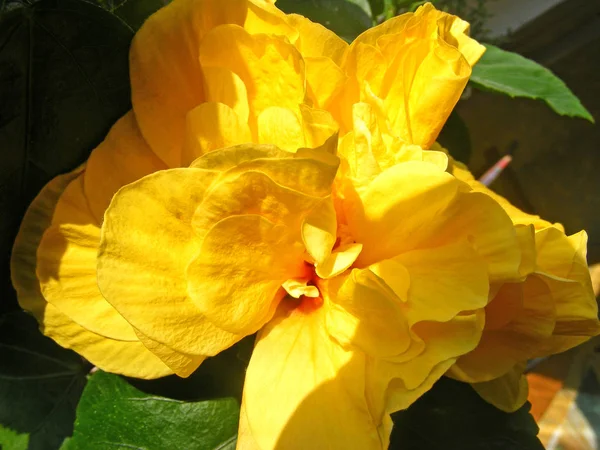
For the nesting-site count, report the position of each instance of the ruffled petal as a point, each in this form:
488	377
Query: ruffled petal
519	321
264	18
129	358
302	390
316	41
180	363
235	280
461	282
399	203
394	385
147	242
166	77
23	262
212	126
281	127
120	159
319	128
562	262
270	67
365	314
66	267
477	218
324	79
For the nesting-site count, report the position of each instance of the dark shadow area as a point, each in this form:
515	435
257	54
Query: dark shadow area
219	376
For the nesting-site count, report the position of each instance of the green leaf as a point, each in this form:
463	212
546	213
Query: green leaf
455	137
516	76
40	383
114	414
344	17
10	440
64	80
452	415
377	7
132	12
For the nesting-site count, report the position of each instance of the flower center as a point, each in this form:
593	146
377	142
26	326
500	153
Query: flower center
304	292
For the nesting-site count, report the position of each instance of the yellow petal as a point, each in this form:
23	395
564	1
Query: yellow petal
317	41
559	255
422	73
422	86
147	243
280	127
235	280
453	30
237	155
298	288
338	261
265	18
308	171
325	80
212	126
562	262
180	363
508	392
318	127
221	85
166	77
443	341
407	380
270	67
255	188
395	275
393	211
23	256
128	358
461	282
120	159
366	314
368	143
319	231
302	390
520	320
66	267
526	238
396	396
479	219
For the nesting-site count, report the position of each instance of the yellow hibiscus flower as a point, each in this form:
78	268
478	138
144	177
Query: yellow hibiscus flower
218	208
552	310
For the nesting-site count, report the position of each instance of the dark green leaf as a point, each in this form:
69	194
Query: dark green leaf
114	414
40	383
63	82
516	76
10	440
376	7
132	12
455	137
220	376
452	416
344	17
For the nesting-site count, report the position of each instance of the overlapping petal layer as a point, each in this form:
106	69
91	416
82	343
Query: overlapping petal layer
551	310
126	356
411	70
